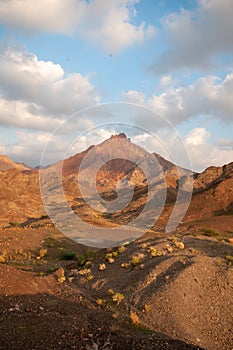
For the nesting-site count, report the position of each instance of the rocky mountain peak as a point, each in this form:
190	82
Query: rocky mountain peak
121	135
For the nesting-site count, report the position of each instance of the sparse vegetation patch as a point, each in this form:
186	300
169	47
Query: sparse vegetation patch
209	232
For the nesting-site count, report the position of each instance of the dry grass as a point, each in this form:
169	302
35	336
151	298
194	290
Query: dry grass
134	317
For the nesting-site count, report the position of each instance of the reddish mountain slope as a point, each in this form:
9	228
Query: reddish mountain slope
20	192
213	193
19	195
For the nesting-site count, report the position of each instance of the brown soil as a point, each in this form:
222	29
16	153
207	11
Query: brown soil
180	296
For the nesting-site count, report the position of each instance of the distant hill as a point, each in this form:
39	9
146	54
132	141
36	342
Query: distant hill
6	163
213	192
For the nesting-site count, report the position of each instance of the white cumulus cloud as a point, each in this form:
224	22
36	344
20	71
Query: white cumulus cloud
38	94
134	96
209	95
106	23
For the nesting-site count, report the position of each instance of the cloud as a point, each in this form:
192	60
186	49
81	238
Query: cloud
25	115
201	151
208	95
134	96
29	146
93	137
109	25
44	15
196	38
205	154
106	23
166	80
196	137
23	76
225	144
38	94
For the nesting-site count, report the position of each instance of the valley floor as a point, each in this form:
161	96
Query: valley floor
159	292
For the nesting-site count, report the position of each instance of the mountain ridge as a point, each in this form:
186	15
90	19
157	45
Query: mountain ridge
20	189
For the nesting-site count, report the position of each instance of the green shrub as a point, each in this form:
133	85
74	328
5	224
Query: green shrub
52	242
209	232
142	328
86	258
67	255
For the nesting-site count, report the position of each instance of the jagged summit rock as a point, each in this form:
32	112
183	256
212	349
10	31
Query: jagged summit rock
121	135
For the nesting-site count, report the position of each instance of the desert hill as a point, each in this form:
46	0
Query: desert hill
19	195
213	192
6	163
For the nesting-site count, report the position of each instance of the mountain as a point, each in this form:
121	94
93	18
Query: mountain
119	149
213	192
110	166
172	283
6	163
108	148
19	195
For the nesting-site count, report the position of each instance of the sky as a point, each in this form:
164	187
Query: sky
73	72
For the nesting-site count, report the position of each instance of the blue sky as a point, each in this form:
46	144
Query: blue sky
58	57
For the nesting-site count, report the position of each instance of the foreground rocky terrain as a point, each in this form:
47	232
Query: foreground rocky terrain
162	291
